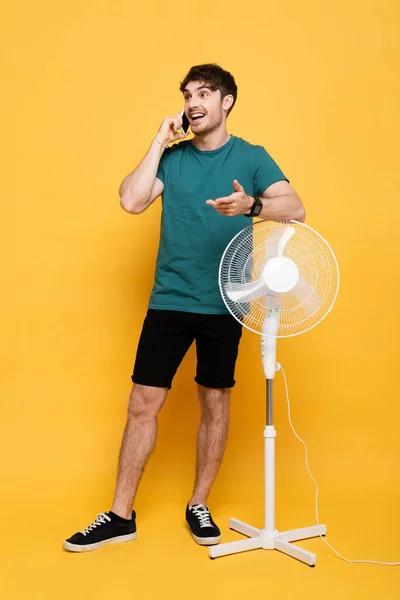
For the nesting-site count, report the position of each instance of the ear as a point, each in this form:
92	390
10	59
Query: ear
227	102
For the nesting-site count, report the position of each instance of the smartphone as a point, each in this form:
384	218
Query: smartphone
185	122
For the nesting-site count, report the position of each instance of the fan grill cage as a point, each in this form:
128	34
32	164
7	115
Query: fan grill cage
245	258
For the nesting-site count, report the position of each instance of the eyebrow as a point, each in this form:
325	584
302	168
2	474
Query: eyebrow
199	88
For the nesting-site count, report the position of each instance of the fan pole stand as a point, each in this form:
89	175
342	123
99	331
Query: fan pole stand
270	538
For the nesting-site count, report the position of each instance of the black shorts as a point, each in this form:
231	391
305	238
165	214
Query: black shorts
168	334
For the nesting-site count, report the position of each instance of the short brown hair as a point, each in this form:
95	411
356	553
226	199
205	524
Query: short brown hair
215	77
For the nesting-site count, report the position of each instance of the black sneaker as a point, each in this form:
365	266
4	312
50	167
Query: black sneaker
205	532
108	528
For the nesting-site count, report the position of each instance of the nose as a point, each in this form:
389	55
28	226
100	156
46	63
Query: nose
192	104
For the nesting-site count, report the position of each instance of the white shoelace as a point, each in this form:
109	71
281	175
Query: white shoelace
203	514
101	518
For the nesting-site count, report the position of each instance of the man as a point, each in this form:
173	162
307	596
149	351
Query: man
209	186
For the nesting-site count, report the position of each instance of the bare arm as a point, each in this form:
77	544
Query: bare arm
282	203
141	187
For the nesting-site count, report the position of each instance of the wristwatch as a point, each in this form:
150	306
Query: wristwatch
255	209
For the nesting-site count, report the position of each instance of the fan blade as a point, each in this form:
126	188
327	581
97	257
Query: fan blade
308	296
276	247
242	292
287	234
272	248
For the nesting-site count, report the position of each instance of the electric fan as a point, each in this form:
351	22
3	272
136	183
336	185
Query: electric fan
278	279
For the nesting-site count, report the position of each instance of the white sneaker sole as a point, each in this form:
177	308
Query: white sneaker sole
86	548
210	541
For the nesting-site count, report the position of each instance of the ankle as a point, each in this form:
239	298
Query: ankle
124	514
197	500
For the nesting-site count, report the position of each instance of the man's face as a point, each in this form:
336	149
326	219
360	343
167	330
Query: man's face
201	100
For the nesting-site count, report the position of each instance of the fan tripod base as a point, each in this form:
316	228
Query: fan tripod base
270	540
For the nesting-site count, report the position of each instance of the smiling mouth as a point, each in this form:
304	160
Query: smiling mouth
197	118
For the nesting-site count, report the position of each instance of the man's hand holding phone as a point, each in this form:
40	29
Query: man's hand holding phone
169	130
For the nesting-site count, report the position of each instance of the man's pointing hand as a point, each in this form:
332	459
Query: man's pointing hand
237	203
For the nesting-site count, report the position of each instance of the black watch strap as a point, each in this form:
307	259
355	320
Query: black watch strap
255	209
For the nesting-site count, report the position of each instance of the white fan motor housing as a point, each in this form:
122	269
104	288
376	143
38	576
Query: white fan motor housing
280	274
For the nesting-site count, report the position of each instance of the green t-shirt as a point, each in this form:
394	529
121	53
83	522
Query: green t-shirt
193	234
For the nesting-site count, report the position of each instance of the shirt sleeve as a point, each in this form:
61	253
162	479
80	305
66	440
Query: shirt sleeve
266	171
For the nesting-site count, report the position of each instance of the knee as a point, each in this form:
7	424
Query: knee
215	405
145	404
142	408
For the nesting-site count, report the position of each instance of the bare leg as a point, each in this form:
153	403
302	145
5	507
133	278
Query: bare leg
211	440
137	444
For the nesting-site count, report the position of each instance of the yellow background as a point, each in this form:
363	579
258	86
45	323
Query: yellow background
86	84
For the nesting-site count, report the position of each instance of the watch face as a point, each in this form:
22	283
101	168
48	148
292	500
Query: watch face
258	207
